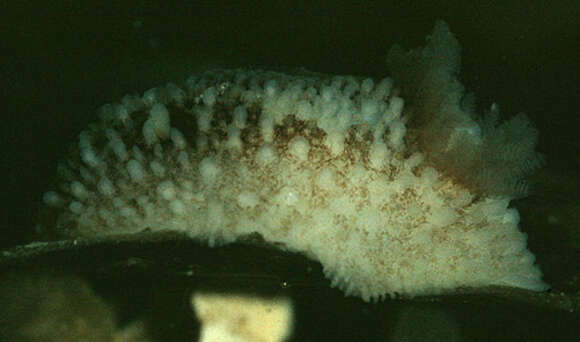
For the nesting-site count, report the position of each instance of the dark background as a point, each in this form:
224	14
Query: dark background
60	60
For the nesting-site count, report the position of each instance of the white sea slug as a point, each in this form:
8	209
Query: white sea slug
393	185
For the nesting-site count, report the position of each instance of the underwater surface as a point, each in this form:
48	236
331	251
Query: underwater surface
62	61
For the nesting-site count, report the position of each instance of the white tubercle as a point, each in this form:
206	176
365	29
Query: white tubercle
183	160
379	155
76	207
166	190
157	168
135	170
209	96
367	86
248	199
160	116
270	88
178	207
177	138
266	155
383	88
335	143
149	134
234	141
204	117
299	147
396	106
78	190
396	134
88	154
267	128
117	144
370	111
137	154
209	170
157	125
240	115
105	187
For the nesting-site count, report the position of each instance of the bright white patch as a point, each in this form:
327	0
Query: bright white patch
235	318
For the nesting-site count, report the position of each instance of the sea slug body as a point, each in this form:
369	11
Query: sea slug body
392	185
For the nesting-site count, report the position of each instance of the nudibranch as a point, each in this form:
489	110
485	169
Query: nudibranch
394	185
